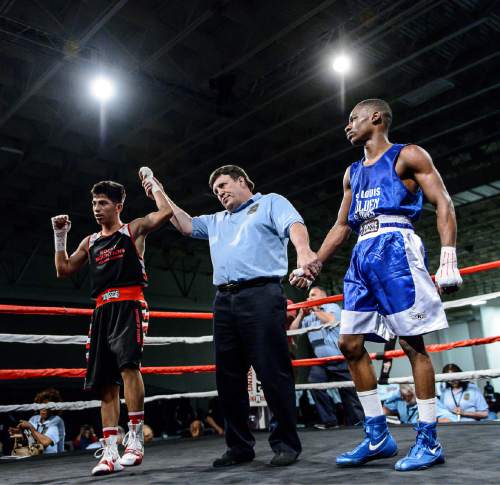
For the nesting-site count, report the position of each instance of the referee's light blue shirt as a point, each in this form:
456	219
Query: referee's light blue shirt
250	242
325	342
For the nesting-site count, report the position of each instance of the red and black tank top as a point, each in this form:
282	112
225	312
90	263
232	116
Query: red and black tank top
114	261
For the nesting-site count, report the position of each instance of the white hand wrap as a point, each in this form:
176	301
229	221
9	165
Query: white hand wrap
60	233
447	273
299	273
147	174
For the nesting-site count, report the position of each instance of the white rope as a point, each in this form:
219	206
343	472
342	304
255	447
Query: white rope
300	331
80	405
449	376
15	338
469	301
81	339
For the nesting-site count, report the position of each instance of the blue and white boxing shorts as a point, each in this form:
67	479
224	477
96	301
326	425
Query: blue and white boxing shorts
387	289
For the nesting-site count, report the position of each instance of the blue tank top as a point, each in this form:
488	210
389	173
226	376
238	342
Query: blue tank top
377	189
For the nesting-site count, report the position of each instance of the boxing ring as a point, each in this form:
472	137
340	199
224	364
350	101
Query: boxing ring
472	449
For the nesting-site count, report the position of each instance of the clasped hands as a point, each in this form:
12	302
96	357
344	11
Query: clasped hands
308	269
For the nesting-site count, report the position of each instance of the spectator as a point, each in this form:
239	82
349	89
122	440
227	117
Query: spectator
325	344
46	428
189	423
403	403
462	399
290	317
493	401
184	414
98	444
86	437
307	413
148	434
209	422
196	428
215	418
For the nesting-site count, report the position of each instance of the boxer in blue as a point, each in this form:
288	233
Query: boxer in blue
387	289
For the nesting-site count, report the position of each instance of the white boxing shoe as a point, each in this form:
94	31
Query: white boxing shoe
109	457
134	445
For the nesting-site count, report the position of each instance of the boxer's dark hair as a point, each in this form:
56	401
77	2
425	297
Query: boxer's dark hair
234	172
454	368
112	190
382	107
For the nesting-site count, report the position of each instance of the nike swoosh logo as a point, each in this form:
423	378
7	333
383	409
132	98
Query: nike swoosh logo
433	451
377	446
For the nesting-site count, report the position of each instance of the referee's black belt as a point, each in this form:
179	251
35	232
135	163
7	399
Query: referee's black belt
235	286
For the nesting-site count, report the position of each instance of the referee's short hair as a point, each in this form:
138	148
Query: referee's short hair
234	172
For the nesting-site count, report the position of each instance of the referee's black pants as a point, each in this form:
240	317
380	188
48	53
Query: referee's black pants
249	330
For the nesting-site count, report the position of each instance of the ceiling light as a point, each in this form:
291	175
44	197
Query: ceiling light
341	63
102	89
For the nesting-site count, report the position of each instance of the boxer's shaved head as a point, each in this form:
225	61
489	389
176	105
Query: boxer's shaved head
380	106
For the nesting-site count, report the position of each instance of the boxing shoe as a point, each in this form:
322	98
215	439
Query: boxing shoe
109	457
133	442
426	451
377	444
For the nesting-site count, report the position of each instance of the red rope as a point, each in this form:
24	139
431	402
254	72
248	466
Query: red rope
50	310
394	354
45	310
6	374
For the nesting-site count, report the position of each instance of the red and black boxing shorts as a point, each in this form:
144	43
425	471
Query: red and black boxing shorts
116	335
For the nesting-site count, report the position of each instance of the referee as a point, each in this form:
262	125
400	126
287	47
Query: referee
248	246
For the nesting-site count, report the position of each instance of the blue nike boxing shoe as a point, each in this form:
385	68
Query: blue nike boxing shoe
378	444
426	452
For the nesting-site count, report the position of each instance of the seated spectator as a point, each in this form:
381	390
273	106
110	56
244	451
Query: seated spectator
291	315
148	433
86	437
403	404
189	423
196	428
215	418
98	444
209	422
307	413
324	342
493	401
46	428
462	399
184	415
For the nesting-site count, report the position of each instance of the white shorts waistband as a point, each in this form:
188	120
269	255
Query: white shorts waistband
383	224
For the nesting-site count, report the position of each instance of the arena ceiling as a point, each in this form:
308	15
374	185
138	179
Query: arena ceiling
204	83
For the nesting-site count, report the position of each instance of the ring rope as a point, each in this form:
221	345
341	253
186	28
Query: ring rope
40	310
18	338
21	338
80	405
9	374
81	339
